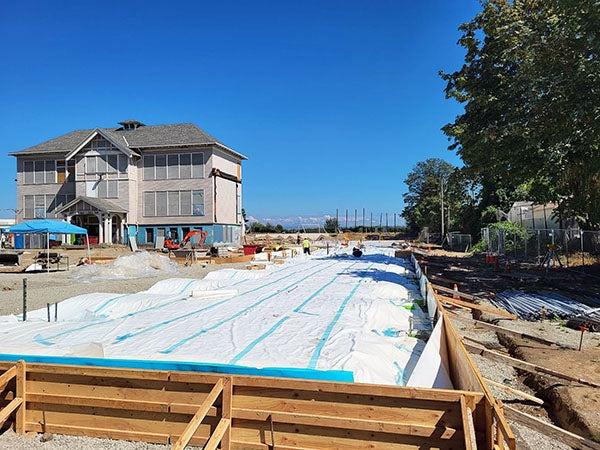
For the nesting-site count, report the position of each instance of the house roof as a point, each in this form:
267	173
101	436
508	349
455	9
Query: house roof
143	137
98	203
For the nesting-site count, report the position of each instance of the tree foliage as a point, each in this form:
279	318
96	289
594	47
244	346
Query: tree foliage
423	201
331	225
530	85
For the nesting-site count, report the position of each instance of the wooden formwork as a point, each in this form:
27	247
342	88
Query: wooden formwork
241	412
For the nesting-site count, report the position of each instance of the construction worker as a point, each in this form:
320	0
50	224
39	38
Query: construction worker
306	246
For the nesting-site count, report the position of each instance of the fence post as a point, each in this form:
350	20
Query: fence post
582	252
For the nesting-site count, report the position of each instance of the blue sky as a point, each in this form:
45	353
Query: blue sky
332	101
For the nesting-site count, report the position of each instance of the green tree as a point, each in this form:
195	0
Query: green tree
331	225
530	86
423	200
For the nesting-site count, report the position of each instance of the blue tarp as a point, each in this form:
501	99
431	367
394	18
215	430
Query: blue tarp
47	226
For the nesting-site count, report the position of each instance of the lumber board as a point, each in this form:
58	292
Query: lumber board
9	409
227	412
464	295
215	438
21	377
468	427
394	392
7	376
503	330
483	308
564	436
517	392
191	428
412	411
410	429
526	366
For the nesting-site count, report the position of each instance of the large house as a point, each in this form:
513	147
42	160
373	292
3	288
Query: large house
135	179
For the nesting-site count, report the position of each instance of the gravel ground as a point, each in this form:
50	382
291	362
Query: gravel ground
527	438
11	440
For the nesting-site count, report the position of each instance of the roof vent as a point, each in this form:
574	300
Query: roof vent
130	124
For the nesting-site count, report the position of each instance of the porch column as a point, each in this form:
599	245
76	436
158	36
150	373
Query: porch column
100	228
122	231
64	236
108	229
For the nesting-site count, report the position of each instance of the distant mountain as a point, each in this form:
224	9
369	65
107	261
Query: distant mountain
292	222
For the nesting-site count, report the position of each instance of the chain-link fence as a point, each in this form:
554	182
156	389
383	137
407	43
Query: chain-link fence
571	246
459	242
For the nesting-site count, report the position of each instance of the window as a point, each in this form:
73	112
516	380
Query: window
173	203
108	189
39	207
71	170
39	172
149	204
61	171
28	208
123	164
50	170
149	167
197	165
113	162
173	167
161	204
28	172
185	169
101	166
149	235
185	203
173	233
197	203
161	167
90	164
179	166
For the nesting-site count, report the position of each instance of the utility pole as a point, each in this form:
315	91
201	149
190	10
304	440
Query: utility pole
371	220
337	218
394	221
386	222
363	219
346	218
355	214
442	194
380	221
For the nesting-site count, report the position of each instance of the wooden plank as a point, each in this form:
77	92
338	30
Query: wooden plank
20	392
409	411
468	428
102	372
503	330
517	392
227	412
215	438
526	366
398	392
9	409
189	431
564	436
7	376
409	429
464	295
483	308
100	402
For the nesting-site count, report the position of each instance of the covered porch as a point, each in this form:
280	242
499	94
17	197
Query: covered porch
104	220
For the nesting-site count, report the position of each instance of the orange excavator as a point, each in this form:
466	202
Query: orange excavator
172	244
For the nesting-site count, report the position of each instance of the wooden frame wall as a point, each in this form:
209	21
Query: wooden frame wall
242	412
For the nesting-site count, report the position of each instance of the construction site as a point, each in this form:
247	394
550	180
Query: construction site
359	344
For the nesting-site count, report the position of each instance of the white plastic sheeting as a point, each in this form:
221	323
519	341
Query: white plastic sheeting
318	312
136	265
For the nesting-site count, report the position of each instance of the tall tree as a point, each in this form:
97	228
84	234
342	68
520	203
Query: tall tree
423	200
530	85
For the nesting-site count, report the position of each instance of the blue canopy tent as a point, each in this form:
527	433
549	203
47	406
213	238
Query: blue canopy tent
48	227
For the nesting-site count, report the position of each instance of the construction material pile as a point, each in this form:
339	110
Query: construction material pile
136	265
544	304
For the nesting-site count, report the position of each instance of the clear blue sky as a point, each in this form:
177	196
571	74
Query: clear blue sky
332	101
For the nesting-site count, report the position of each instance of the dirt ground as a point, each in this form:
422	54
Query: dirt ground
571	406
